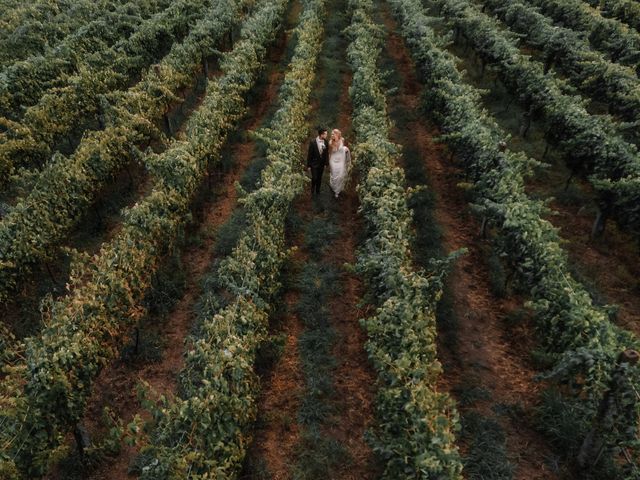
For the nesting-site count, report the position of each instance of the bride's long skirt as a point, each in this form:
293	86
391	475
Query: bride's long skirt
338	167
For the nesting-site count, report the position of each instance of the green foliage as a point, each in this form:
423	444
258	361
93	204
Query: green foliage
67	186
619	41
577	335
414	432
627	11
203	432
589	144
84	329
571	54
68	108
107	22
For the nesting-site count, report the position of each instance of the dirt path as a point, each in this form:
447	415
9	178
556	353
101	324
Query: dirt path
280	445
354	377
100	224
278	432
116	386
608	266
485	353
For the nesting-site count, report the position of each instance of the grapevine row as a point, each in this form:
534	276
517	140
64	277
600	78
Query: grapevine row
414	434
203	432
22	83
627	11
69	109
67	185
588	70
84	329
29	28
578	335
588	143
610	36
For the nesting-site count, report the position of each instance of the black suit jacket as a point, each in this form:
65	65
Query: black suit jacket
314	159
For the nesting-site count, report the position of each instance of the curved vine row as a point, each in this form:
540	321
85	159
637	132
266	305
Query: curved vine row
610	36
22	83
565	49
578	336
68	109
67	185
588	143
203	432
47	395
627	11
414	433
30	28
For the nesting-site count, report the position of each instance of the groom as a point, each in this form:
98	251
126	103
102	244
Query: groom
317	158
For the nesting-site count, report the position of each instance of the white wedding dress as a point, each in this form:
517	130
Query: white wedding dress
339	166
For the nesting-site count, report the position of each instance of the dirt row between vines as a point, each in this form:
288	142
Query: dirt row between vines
117	383
100	223
485	352
609	265
278	436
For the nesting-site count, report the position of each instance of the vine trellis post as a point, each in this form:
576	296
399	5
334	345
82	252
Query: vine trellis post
611	411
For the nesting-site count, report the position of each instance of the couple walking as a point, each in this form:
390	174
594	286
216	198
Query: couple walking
335	154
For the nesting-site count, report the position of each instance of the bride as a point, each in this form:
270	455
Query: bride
339	159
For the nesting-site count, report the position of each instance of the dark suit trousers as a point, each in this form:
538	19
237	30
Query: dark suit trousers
316	178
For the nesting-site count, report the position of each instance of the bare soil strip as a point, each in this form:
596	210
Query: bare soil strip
278	432
116	386
277	440
354	378
486	351
609	266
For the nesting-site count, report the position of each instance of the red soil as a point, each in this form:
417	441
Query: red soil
116	385
490	353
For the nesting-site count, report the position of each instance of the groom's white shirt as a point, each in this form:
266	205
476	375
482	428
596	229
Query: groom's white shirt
320	143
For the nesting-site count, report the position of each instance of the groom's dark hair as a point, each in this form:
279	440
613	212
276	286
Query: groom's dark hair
321	130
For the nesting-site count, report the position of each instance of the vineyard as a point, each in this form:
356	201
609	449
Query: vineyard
177	304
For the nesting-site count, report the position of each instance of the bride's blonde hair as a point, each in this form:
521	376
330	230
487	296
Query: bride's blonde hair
339	141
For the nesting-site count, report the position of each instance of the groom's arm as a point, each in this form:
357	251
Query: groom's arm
309	154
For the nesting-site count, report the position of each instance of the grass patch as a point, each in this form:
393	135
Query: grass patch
514	411
316	283
487	456
562	420
229	233
250	180
318	235
468	394
318	457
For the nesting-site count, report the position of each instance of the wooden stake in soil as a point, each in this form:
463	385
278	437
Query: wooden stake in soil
595	443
